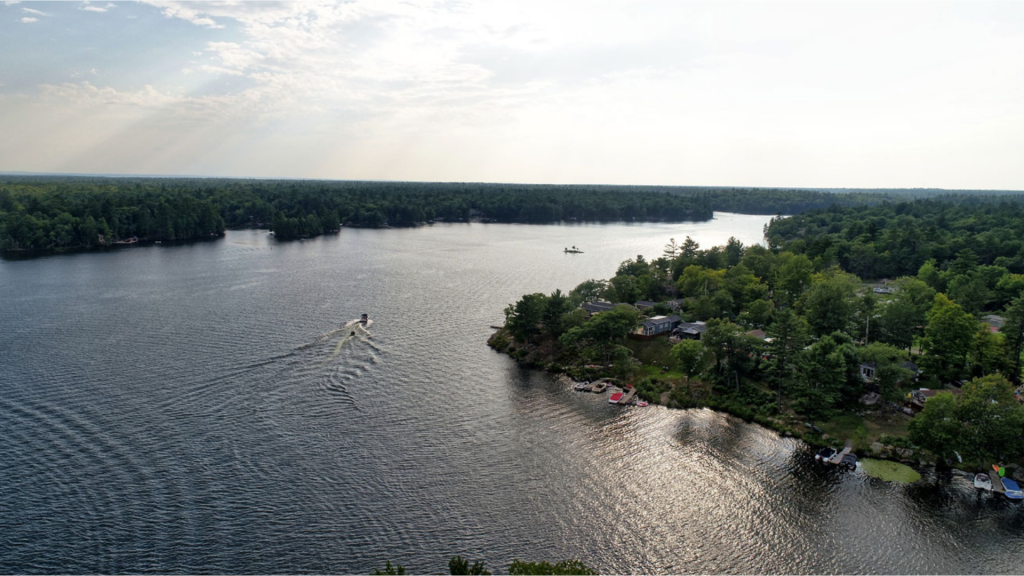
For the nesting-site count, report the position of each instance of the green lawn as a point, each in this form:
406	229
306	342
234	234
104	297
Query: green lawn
889	471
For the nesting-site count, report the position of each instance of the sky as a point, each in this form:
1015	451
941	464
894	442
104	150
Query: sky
802	94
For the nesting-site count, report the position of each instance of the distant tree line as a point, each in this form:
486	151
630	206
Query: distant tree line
65	212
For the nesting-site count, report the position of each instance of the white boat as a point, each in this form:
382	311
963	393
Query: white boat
982	482
615	397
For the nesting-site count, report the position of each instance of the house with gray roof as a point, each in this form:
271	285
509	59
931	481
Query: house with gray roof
659	325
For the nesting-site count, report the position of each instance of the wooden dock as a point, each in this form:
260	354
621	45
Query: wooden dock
847	447
628	396
997	483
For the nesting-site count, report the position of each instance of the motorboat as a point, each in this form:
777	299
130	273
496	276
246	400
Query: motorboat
1013	491
982	482
599	387
364	319
615	397
825	454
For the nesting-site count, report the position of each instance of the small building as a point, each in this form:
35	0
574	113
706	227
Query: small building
689	331
597	306
867	371
760	335
919	397
659	325
677	303
995	323
643	305
914	370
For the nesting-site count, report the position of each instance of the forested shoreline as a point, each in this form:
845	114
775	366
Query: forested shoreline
789	333
55	213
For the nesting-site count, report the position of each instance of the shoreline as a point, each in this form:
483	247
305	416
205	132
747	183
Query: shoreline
499	341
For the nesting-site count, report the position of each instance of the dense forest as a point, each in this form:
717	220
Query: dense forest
971	250
69	212
791	334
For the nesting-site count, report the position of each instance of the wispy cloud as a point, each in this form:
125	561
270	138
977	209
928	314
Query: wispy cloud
29	20
33	11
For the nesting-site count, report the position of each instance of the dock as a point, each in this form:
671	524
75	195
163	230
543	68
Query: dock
997	483
628	396
847	447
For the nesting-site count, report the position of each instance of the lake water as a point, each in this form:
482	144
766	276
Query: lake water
200	408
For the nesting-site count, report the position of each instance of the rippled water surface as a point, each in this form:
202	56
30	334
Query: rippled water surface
203	408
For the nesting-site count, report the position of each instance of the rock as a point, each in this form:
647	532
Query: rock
904	452
877	447
824	436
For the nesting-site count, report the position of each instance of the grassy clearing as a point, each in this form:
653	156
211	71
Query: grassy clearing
889	471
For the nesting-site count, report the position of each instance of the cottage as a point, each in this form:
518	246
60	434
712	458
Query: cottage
867	371
659	325
677	303
995	323
597	306
689	330
919	397
643	305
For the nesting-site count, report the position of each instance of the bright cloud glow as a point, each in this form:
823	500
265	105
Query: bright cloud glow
764	93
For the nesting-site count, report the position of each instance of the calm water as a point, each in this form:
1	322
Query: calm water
200	409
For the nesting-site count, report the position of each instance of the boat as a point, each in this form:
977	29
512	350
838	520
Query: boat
615	397
1013	491
581	386
364	319
982	482
600	387
825	454
849	461
573	250
641	403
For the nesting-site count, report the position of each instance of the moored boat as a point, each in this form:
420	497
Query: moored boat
364	319
982	482
1013	491
599	387
825	454
615	397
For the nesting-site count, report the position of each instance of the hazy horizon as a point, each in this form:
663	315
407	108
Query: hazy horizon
833	95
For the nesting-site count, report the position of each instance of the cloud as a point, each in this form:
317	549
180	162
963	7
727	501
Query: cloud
86	6
36	12
28	20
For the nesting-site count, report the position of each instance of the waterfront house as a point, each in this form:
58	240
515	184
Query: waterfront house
659	325
689	331
597	306
919	397
643	305
995	323
867	372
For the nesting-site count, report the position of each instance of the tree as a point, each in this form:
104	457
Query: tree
991	418
689	356
524	317
671	249
906	314
793	277
823	374
788	337
727	349
459	566
1013	330
937	428
830	302
588	291
948	339
569	567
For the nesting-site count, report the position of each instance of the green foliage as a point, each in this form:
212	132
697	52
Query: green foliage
389	570
830	302
459	566
523	318
1013	331
948	339
574	567
905	316
689	356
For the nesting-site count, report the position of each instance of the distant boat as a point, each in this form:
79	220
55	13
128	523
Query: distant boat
614	398
573	250
600	387
641	403
982	482
1013	491
364	319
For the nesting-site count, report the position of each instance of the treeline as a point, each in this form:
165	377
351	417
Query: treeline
827	338
56	213
972	249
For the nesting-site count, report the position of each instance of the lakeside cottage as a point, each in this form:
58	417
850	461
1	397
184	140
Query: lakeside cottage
688	331
659	325
597	306
643	305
